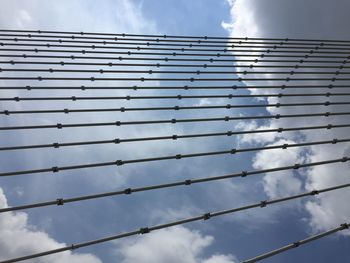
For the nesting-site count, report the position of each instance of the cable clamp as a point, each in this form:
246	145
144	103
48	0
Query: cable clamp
345	159
66	111
278	105
329	126
296	244
296	166
327	103
174	137
179	97
280	130
330	86
233	151
263	203
116	141
230	96
173	120
227	118
277	116
119	162
74	98
127	191
117	123
244	173
185	87
314	192
334	141
55	145
127	97
284	146
59	201
176	108
134	87
228	106
229	133
55	169
206	216
327	114
144	230
280	95
188	182
59	125
6	112
122	109
344	226
82	87
178	156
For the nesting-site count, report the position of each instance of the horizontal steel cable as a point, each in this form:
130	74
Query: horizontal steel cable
158	65
129	53
178	97
176	108
171	157
206	216
233	44
145	46
168	39
197	72
184	87
298	243
230	49
57	145
143	79
167	36
172	121
187	182
169	59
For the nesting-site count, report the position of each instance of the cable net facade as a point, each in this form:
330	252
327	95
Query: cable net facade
77	90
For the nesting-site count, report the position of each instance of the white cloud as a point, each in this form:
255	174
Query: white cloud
177	244
18	238
279	183
299	19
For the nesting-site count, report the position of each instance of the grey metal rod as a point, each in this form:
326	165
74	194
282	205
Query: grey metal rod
233	151
298	243
173	121
146	230
57	145
188	182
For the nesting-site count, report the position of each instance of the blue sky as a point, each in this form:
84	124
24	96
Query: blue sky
222	240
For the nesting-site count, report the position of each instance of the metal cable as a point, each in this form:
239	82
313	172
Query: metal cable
169	47
188	182
185	87
196	72
167	59
83	51
172	121
178	97
230	49
284	146
57	145
167	36
176	108
158	65
116	37
298	243
206	216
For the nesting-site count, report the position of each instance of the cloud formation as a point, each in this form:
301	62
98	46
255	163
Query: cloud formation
299	19
18	237
177	244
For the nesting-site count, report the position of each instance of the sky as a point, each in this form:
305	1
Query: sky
228	239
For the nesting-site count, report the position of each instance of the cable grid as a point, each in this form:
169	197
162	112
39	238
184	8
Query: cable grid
192	66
